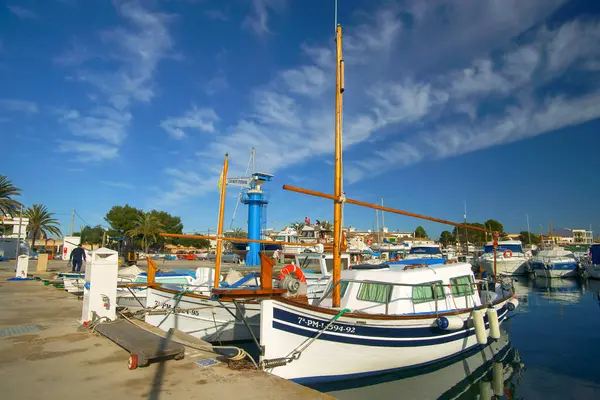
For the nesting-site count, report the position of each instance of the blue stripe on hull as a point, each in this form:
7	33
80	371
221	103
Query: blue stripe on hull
438	339
557	267
373	331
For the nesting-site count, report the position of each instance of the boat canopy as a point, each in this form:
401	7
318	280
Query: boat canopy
595	253
513	245
425	249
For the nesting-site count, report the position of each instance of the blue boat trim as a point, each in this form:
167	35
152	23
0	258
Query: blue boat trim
365	330
348	333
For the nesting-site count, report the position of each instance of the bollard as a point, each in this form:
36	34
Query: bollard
100	287
22	266
42	262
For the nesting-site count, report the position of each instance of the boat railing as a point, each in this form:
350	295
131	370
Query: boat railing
433	287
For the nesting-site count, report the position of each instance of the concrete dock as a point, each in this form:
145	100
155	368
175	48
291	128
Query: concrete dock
43	355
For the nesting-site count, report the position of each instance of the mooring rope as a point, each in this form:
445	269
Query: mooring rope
297	352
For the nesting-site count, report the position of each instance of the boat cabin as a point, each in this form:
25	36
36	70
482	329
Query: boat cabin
425	251
514	246
407	289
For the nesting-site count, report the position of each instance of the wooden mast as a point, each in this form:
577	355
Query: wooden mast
337	205
223	186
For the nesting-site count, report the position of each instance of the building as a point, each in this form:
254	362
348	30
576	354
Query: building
582	236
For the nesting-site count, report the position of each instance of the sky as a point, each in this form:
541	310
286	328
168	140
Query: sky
493	103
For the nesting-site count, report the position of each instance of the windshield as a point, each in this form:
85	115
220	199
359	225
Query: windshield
425	250
515	248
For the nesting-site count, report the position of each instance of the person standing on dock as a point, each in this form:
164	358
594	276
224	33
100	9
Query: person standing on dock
77	257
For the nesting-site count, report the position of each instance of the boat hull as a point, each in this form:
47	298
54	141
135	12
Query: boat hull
554	270
356	347
202	317
505	266
592	271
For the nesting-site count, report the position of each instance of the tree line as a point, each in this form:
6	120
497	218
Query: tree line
41	221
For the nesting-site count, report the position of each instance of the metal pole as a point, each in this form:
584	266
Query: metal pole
253	151
72	221
495	235
220	223
337	205
18	252
528	230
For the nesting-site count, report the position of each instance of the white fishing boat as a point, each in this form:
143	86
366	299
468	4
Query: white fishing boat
554	263
388	320
591	266
191	309
73	281
510	258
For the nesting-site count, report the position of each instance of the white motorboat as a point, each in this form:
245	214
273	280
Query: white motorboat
554	263
510	258
389	319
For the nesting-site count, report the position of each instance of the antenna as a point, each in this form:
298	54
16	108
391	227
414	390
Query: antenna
335	17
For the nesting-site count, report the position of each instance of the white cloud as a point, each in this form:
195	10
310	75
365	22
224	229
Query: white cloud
217	84
258	20
103	122
202	119
397	114
16	105
133	51
22	12
118	185
87	151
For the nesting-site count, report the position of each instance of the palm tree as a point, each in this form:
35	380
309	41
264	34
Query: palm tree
326	226
148	226
237	233
7	191
297	226
41	223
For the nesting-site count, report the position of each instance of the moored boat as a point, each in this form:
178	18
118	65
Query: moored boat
510	258
387	320
554	263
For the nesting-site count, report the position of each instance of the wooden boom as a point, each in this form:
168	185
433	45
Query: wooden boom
239	240
378	207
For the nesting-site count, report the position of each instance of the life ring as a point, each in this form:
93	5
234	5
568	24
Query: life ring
507	253
292	269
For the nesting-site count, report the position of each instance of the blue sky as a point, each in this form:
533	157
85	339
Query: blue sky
492	102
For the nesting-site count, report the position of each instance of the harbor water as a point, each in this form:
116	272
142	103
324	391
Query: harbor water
550	349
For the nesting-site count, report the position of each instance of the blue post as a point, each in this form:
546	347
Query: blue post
255	199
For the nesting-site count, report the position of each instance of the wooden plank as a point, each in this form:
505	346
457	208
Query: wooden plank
224	294
140	342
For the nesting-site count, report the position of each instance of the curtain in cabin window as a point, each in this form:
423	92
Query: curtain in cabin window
421	294
459	286
375	292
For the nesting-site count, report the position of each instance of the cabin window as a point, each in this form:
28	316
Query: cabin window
422	294
375	292
461	286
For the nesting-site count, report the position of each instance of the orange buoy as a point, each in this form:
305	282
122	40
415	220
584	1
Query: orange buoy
292	269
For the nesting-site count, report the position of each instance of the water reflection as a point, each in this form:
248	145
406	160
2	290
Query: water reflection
487	372
555	331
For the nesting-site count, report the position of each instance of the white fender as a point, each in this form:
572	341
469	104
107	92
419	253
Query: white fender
479	325
498	379
450	323
492	315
